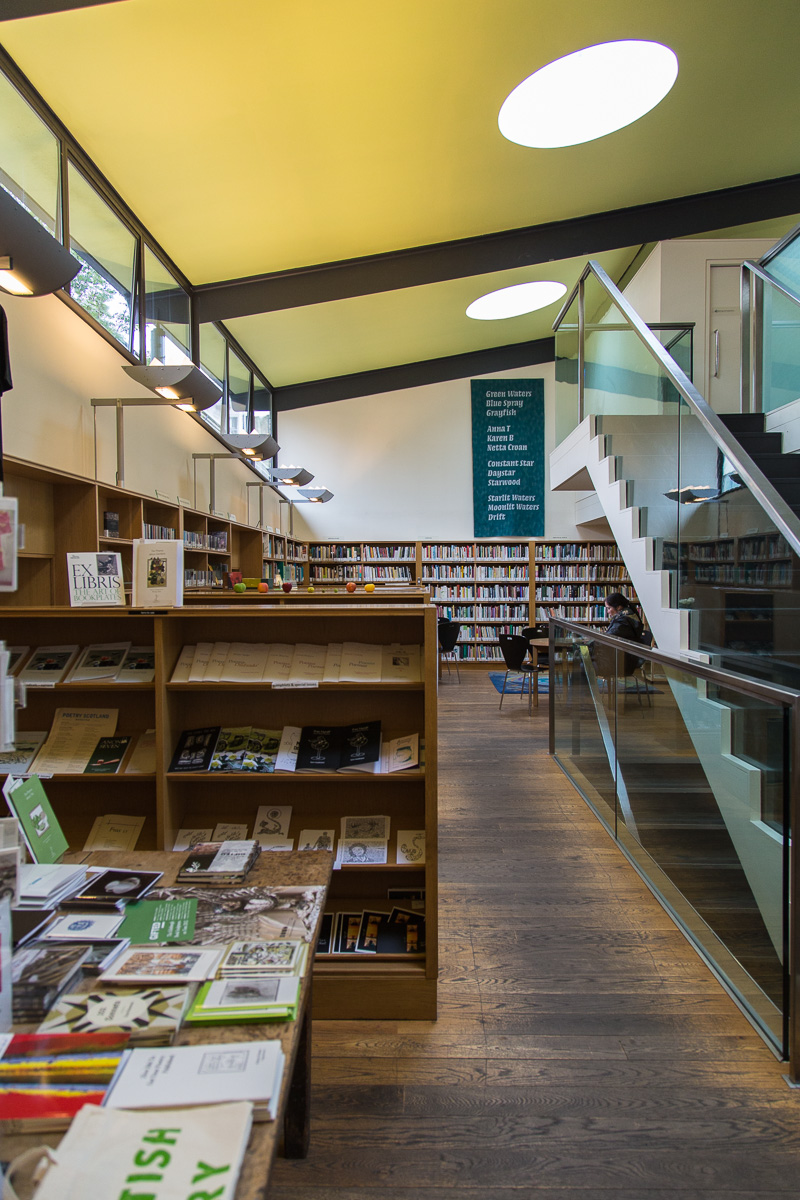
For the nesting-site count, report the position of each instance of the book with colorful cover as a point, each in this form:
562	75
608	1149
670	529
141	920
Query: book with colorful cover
195	749
150	1015
250	998
45	1079
107	756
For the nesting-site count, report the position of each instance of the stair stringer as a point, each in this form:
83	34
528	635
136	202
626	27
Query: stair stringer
582	460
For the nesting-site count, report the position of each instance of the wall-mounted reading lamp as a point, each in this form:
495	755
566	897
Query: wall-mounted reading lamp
184	387
288	476
305	495
32	262
247	447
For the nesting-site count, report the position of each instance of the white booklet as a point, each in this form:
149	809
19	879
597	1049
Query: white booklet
114	832
333	663
203	1154
400	664
361	663
100	660
308	663
173	1076
216	662
202	657
279	663
286	759
48	665
245	662
157	573
95	579
139	665
26	747
73	737
184	665
143	759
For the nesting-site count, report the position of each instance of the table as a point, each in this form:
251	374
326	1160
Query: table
298	868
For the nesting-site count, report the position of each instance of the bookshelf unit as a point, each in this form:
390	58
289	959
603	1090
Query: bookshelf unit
346	986
572	579
62	513
482	585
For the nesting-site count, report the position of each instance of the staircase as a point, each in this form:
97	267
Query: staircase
766	449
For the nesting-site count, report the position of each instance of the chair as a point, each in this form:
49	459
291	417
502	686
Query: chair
448	637
625	665
514	648
538	631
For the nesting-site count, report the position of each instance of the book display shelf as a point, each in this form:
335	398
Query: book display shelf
572	579
61	513
482	585
283	558
346	986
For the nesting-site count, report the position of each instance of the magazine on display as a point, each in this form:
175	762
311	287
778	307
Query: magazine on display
95	579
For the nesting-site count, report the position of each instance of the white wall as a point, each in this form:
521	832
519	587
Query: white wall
400	463
58	364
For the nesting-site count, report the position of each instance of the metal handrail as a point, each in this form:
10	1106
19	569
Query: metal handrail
770	692
780	246
765	493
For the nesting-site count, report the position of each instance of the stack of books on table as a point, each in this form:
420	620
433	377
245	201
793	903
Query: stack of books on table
40	974
219	862
46	885
260	981
45	1080
150	1016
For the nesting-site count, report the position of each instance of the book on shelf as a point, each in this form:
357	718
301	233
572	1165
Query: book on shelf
339	747
40	974
45	1079
110	524
138	666
103	1146
113	889
28	802
150	1015
158	573
48	665
164	964
95	579
195	749
107	756
238	999
114	831
100	660
27	745
142	760
72	738
208	1073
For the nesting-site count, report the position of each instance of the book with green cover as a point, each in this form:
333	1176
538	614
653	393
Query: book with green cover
107	756
28	802
270	998
159	921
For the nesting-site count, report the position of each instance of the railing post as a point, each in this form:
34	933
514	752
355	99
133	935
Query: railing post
746	335
793	939
581	347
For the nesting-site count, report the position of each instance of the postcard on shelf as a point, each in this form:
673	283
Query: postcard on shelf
361	663
73	736
229	831
195	749
361	851
183	666
8	543
272	821
368	931
150	1015
83	927
48	665
245	662
411	846
339	748
139	665
165	964
107	756
209	1073
286	759
160	921
95	579
316	839
372	827
95	1156
28	802
26	747
186	839
114	832
158	573
143	757
100	660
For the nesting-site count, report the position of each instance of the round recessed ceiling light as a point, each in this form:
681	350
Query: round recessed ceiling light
588	94
516	300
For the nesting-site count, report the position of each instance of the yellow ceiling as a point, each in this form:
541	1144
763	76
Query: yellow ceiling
254	136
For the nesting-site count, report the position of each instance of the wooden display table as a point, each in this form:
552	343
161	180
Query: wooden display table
290	1130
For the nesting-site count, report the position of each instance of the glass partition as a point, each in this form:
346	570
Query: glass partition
30	156
213	349
167	314
780	349
239	377
690	777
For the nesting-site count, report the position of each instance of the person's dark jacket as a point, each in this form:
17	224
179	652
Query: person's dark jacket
626	624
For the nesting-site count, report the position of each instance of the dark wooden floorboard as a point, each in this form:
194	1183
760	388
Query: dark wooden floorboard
582	1052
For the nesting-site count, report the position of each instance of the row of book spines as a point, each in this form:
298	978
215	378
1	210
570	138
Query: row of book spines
399	573
470	592
205	541
202	579
479	572
158	532
489	612
576	592
588	572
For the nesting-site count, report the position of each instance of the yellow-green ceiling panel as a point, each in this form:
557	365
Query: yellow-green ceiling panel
259	135
409	325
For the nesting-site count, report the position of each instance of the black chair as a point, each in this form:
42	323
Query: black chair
538	631
448	637
625	665
514	648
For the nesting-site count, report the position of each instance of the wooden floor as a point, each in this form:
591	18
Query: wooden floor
582	1051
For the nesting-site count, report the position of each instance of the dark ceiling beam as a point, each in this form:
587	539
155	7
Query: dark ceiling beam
12	10
499	251
408	375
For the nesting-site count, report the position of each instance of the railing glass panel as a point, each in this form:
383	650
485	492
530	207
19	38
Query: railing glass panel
689	776
783	264
780	350
568	414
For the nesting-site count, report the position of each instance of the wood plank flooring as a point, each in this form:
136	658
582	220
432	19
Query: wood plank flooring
582	1051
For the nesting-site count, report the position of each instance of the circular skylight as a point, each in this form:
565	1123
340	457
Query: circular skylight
516	300
588	94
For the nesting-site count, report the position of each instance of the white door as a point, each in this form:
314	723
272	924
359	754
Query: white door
724	354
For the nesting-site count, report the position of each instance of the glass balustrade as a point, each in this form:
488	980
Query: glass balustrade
687	769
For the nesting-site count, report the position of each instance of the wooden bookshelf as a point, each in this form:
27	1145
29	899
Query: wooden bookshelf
347	986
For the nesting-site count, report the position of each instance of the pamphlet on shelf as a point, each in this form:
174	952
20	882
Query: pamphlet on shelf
113	889
143	756
195	749
83	927
28	802
230	748
114	832
48	665
95	579
158	921
287	751
308	663
339	747
100	660
17	657
279	663
184	664
245	662
74	734
9	873
400	664
333	663
158	573
139	665
361	663
216	662
202	657
26	747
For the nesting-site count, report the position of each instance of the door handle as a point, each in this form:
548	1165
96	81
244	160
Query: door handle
716	354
